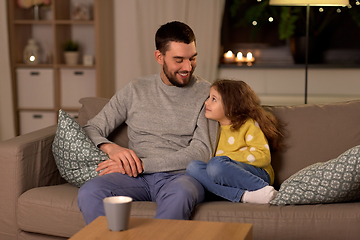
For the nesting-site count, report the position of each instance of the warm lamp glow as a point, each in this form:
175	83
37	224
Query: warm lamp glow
229	54
239	55
249	56
229	57
310	2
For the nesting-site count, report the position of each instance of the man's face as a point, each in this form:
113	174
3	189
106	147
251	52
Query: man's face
178	63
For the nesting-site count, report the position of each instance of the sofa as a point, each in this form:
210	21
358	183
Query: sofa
37	203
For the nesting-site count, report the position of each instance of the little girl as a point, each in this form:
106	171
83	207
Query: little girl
240	170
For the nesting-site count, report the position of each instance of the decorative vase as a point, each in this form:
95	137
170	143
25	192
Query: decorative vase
31	52
71	58
36	10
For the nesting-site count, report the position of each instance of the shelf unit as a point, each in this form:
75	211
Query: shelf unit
54	28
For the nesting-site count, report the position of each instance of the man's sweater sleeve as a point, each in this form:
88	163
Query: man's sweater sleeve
202	147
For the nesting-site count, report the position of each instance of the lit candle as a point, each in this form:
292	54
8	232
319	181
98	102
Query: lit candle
229	57
239	57
249	57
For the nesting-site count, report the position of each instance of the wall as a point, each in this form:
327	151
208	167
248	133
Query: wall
7	127
137	21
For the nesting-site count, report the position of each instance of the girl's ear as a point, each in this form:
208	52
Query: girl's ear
159	57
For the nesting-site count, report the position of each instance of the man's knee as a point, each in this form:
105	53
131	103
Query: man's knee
188	188
97	189
84	191
88	192
89	200
178	198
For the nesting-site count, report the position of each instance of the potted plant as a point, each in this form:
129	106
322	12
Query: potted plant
71	52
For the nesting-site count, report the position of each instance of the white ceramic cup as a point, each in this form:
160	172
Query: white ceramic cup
117	211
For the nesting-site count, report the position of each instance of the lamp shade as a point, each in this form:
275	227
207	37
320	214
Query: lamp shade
309	2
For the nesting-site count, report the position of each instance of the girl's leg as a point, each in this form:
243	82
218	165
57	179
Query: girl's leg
262	196
252	182
197	169
224	171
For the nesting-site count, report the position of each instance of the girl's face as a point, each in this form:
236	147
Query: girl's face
215	108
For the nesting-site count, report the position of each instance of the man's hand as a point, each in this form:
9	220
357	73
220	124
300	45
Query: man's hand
121	160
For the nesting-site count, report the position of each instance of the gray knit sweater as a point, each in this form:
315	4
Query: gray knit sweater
167	127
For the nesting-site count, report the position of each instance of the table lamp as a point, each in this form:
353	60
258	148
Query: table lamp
308	3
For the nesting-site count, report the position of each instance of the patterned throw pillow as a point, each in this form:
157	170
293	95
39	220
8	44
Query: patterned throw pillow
337	180
76	156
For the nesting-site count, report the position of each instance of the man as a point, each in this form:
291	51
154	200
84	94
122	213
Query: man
167	129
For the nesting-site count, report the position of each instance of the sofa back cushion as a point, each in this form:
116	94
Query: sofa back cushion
314	133
92	106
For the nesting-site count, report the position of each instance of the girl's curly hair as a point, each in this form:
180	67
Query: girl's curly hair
240	103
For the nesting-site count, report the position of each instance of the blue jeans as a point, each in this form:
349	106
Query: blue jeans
227	178
176	194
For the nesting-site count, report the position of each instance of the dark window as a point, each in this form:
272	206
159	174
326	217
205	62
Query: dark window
336	29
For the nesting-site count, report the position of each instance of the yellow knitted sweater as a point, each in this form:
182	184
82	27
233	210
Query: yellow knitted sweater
248	145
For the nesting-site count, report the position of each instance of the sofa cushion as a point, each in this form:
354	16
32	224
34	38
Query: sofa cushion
337	180
53	210
50	210
76	156
314	133
287	222
92	106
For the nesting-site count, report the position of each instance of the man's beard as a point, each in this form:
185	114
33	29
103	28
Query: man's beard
172	77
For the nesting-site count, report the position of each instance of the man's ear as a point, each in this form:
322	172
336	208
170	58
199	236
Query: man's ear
159	57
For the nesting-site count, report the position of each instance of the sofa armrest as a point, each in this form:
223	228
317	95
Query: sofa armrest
26	162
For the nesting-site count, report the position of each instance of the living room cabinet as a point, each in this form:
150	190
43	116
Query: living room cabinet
31	120
35	88
41	89
76	84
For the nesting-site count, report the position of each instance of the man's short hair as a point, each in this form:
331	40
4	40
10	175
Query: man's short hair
173	32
